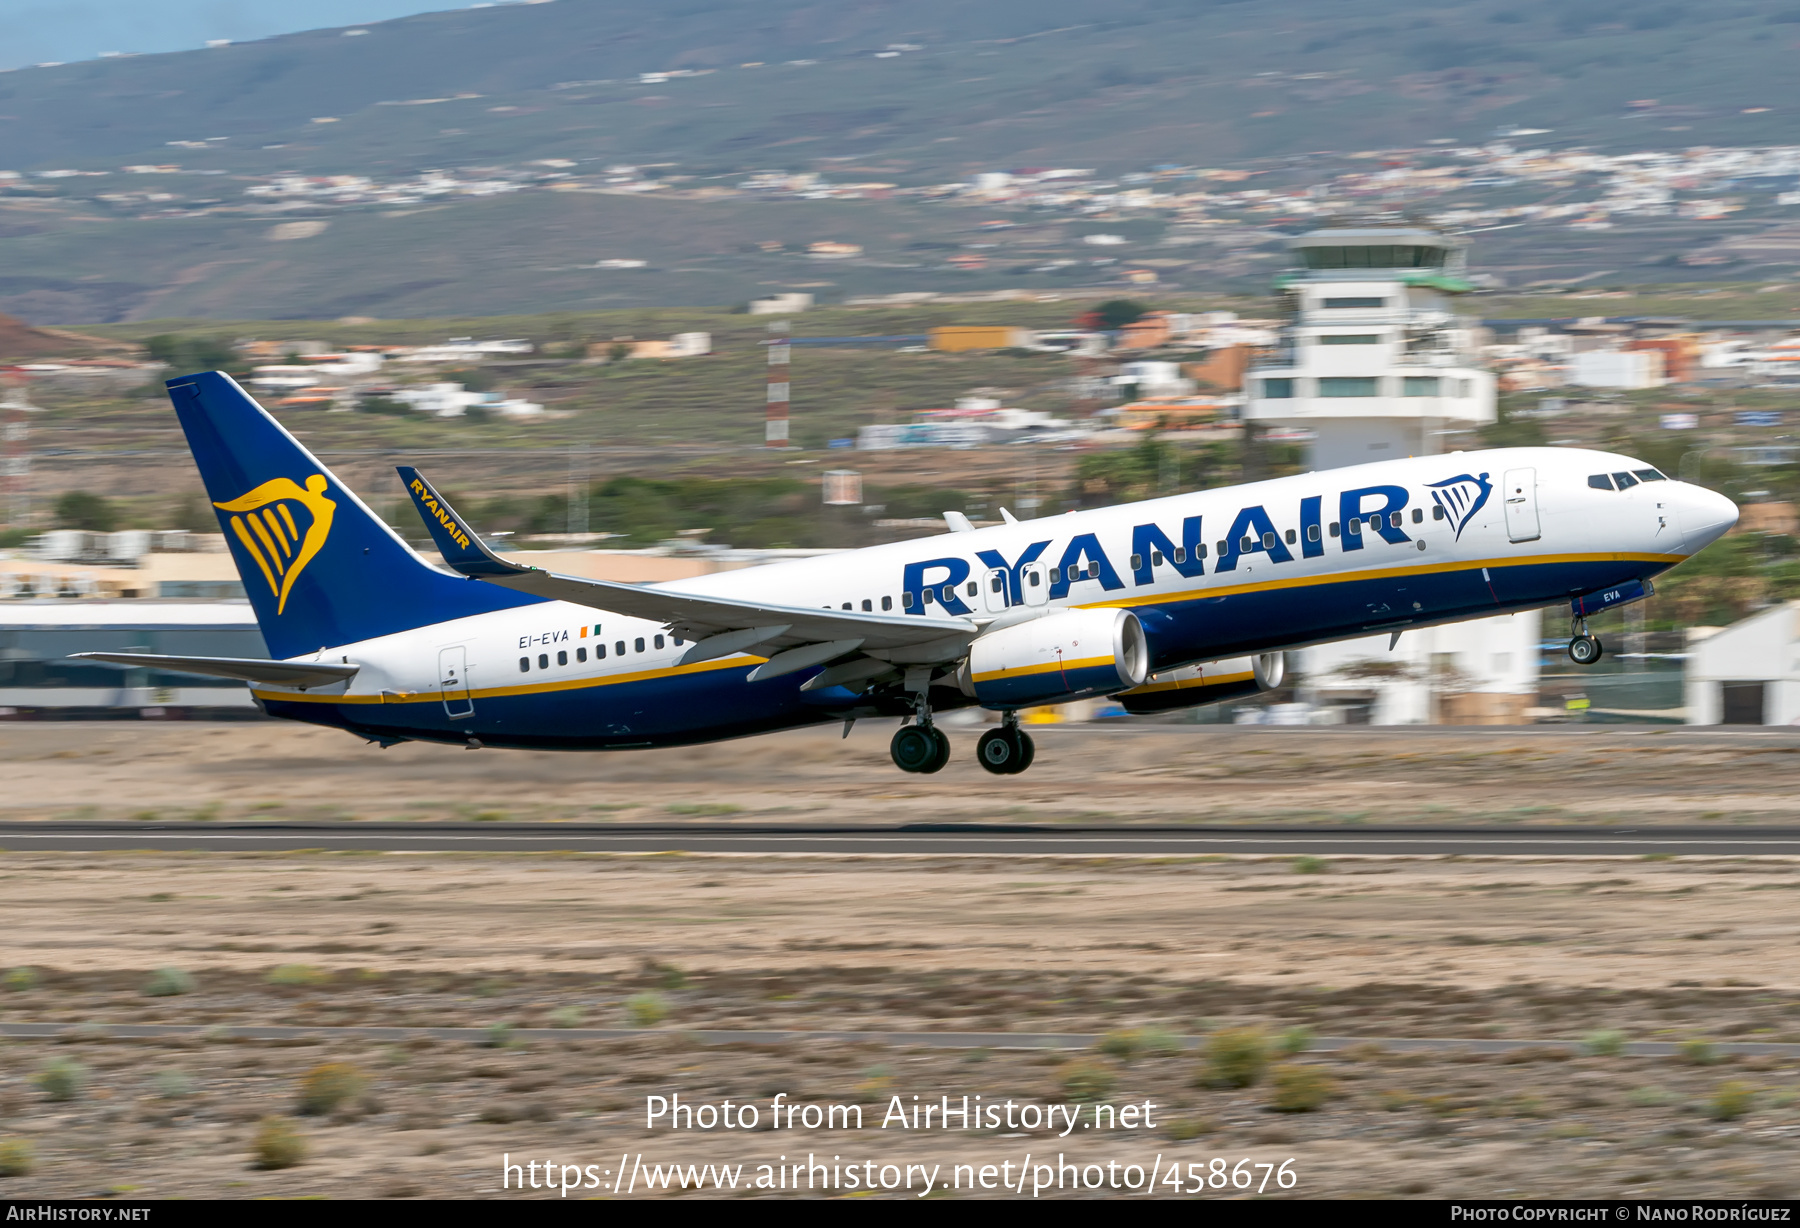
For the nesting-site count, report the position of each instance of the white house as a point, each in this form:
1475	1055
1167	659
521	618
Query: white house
1749	673
1475	673
1616	369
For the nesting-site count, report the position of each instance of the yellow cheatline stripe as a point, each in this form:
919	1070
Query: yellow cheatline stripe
1378	573
237	525
535	688
262	535
1048	667
281	538
288	519
1190	683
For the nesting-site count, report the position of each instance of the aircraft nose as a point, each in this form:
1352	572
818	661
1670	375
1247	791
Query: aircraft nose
1706	516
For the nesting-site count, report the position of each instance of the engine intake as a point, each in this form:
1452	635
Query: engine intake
1070	655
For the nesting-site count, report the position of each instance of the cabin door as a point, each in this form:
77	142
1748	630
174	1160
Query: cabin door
453	679
1521	505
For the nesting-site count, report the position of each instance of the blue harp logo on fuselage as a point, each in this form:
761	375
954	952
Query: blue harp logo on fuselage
1461	497
282	526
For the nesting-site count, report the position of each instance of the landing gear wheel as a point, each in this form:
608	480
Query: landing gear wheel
1029	749
1584	650
943	751
1001	751
916	748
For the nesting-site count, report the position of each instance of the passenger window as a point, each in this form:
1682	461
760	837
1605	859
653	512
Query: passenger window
1395	519
1180	555
562	658
1334	528
949	593
887	603
868	608
1312	532
1224	549
905	601
1437	511
524	665
997	583
1353	528
581	655
638	644
930	595
1156	558
619	648
543	660
1418	514
679	641
1034	579
1291	537
1625	480
1137	561
1055	574
1599	481
1268	541
659	641
1650	475
599	652
846	605
974	588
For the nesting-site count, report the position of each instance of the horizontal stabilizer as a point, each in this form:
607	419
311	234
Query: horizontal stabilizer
246	669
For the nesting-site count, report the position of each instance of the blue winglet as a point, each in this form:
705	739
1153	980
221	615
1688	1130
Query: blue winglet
456	541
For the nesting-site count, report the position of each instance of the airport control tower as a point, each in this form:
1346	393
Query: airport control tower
1375	364
1372	359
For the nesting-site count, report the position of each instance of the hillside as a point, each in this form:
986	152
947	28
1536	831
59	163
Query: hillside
989	85
886	93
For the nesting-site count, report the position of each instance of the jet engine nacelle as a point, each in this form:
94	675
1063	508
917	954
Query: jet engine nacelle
1193	685
1069	655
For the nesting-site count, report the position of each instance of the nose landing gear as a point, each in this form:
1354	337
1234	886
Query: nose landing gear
1006	751
1584	649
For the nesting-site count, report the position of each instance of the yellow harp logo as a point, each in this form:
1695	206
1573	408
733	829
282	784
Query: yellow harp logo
264	522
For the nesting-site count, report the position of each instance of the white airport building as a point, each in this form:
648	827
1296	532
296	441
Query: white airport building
1373	362
1749	673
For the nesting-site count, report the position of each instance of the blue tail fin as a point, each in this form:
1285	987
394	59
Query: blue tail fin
320	567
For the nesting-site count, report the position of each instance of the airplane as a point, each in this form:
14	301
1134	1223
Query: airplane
1161	604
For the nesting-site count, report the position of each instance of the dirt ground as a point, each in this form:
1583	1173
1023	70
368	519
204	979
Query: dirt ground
1092	774
1526	949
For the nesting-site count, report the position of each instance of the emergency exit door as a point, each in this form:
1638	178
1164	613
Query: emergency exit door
453	680
1520	492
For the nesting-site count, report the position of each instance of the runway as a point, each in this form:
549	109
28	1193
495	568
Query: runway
936	840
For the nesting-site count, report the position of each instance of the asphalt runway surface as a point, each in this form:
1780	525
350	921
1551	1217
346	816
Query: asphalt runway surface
912	840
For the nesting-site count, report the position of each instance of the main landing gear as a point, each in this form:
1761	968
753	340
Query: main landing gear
1006	751
922	747
1584	649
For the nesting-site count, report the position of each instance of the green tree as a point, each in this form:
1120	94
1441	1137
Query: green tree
186	354
81	509
1118	312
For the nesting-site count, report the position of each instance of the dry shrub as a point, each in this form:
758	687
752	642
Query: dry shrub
17	1157
1085	1082
168	983
62	1079
646	1010
277	1144
323	1088
1300	1089
1235	1057
1731	1101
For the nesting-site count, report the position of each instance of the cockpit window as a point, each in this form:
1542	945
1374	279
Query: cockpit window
1649	475
1600	481
1625	480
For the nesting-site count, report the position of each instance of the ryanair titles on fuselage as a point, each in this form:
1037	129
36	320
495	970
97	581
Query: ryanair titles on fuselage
1378	509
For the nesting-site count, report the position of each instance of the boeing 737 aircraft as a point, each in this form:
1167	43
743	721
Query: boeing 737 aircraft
1162	604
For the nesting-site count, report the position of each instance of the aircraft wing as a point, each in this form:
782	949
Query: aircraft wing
720	625
246	669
